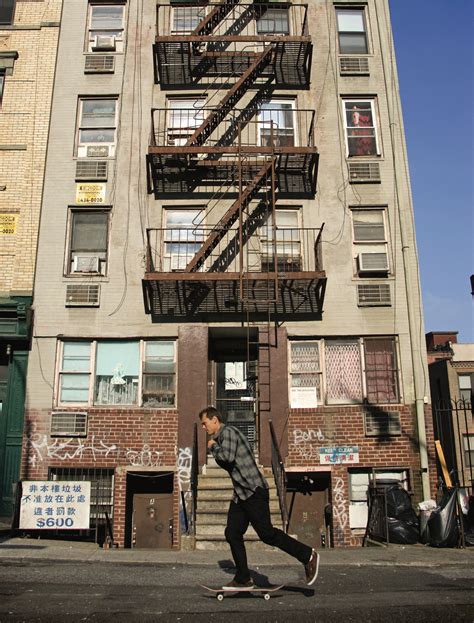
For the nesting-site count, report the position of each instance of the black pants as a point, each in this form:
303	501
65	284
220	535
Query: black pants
256	511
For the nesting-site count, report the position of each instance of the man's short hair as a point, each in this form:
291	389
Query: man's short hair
210	412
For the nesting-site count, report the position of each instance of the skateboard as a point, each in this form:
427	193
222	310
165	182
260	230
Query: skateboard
265	591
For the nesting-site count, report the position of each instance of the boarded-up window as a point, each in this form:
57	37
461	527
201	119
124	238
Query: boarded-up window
381	370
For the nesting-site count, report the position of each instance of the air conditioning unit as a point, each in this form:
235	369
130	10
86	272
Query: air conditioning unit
68	424
373	262
104	42
86	264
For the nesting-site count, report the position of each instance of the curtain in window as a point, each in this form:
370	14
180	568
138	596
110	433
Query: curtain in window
117	370
343	371
381	370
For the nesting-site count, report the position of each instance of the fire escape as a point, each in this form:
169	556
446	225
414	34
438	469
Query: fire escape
242	151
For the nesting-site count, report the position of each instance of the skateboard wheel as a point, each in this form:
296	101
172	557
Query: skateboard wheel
266	596
220	597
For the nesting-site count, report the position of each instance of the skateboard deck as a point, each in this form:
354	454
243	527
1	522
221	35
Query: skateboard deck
221	592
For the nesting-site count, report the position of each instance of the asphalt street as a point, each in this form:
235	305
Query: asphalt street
45	590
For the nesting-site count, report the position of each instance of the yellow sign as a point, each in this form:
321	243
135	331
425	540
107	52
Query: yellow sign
90	193
8	223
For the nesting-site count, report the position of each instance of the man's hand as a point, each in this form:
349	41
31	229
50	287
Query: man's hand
210	443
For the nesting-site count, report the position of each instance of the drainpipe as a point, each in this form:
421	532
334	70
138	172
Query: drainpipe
409	254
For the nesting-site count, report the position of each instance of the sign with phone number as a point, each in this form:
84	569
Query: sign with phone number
8	223
52	505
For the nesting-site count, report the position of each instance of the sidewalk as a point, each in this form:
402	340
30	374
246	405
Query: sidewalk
394	555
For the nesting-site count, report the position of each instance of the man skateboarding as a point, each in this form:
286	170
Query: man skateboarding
250	501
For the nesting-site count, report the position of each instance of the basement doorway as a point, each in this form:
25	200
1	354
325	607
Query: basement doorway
309	509
149	510
233	378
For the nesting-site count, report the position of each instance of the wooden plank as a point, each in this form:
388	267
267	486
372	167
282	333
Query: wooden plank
442	461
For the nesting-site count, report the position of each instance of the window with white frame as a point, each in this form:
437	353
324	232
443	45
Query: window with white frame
465	387
352	30
305	374
281	245
370	242
117	372
345	371
96	134
183	237
276	123
185	19
272	20
184	116
106	27
358	486
360	127
88	241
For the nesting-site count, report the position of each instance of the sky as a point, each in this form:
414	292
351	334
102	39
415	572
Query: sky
435	53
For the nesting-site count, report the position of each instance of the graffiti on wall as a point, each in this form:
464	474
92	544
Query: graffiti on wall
306	443
339	508
185	456
40	448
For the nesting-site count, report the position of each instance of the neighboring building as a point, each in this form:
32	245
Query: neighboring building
451	369
252	247
29	34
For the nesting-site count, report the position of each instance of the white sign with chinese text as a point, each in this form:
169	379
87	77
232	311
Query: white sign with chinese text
55	505
339	455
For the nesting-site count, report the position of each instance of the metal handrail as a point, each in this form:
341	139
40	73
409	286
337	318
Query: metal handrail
279	475
194	479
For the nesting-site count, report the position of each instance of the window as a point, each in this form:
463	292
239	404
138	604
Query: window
185	19
88	246
273	21
343	371
360	130
370	242
352	31
183	237
185	115
75	373
276	122
305	374
97	127
106	27
381	371
346	371
2	84
117	372
468	451
159	387
465	387
7	10
358	486
285	240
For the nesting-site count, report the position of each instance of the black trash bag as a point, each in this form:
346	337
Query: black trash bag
402	532
443	524
399	505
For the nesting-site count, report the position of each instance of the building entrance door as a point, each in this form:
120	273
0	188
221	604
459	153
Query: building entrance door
152	520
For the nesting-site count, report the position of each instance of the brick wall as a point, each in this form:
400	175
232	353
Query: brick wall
119	439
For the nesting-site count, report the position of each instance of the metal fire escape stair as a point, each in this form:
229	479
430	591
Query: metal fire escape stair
214	18
207	127
230	217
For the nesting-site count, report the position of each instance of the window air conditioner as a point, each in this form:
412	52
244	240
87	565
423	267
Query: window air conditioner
373	262
86	264
103	42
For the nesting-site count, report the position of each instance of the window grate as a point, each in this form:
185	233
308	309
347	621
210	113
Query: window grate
382	423
85	295
99	64
373	295
358	65
68	423
343	371
364	172
91	170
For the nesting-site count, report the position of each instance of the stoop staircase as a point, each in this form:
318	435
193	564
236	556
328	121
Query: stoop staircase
213	498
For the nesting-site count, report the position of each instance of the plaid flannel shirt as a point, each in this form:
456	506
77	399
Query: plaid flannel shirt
232	451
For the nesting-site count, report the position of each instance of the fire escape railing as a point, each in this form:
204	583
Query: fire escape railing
279	475
174	128
296	250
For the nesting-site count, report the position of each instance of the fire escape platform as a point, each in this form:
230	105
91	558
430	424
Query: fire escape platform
184	61
202	294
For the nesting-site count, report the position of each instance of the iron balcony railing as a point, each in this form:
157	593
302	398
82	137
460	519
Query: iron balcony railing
266	250
279	475
279	128
246	20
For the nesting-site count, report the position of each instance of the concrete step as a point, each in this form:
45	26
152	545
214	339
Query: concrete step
212	504
217	531
222	545
219	518
223	494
